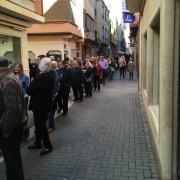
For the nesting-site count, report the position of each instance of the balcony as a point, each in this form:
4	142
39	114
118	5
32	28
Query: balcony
28	10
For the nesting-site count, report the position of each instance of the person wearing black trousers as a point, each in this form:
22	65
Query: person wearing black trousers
12	111
97	76
77	81
88	79
41	92
64	74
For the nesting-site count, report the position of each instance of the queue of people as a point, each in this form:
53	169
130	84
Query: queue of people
44	92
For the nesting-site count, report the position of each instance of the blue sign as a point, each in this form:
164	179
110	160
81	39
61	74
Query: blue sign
128	17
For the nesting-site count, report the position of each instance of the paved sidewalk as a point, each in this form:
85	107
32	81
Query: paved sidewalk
103	138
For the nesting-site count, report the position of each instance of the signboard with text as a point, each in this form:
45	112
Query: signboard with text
128	17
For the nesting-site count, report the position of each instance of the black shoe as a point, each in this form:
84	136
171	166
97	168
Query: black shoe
34	146
59	110
75	99
80	100
64	113
45	151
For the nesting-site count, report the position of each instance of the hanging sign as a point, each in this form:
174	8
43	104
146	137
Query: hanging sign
128	17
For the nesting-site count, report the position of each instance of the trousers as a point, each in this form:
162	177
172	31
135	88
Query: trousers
10	148
41	132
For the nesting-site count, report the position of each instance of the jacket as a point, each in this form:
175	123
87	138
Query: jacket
41	92
88	75
77	76
64	77
12	106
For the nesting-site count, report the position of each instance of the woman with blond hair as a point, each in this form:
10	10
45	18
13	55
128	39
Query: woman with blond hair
122	66
24	79
88	79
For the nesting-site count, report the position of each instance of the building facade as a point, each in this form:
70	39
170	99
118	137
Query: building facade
62	32
102	28
158	41
89	46
15	18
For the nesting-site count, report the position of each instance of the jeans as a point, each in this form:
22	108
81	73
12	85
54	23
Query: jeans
130	75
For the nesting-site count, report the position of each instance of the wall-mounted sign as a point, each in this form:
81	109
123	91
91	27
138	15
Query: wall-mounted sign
128	17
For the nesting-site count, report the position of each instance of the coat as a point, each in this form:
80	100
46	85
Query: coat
12	106
64	78
77	76
130	66
41	92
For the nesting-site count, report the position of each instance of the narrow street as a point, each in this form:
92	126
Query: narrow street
105	137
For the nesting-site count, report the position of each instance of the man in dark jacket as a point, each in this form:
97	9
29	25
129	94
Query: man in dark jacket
77	81
34	70
64	74
11	121
41	92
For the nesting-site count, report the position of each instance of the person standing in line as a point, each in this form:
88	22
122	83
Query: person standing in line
77	81
12	113
88	79
64	74
97	76
41	92
122	66
53	71
104	65
34	70
24	79
131	69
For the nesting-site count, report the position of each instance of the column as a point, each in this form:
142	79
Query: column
166	85
149	68
143	61
155	72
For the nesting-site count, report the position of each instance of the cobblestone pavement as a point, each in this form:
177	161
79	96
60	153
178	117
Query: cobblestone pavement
103	138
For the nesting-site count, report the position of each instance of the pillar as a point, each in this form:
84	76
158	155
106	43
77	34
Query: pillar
143	61
166	86
149	68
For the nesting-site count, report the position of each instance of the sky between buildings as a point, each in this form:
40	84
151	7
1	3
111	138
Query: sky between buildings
116	8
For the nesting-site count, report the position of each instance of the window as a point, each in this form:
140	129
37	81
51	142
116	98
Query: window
10	47
95	13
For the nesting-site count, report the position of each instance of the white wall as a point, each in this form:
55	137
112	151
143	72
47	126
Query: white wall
42	44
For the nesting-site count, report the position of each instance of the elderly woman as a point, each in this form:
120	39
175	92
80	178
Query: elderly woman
41	92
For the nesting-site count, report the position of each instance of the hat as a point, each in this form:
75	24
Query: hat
3	62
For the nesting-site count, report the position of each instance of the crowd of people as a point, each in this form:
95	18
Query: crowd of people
45	91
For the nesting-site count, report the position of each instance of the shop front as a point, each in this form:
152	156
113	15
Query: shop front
15	18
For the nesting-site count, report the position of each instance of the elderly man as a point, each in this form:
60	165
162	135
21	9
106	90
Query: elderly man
11	121
41	91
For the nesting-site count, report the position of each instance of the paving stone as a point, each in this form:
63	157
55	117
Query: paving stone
105	137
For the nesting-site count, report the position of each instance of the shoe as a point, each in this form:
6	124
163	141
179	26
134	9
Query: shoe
64	113
50	130
75	99
59	110
34	146
80	100
45	151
